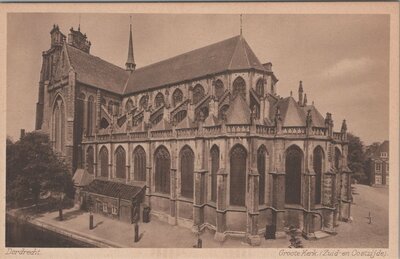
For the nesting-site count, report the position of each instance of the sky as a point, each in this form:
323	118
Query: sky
343	60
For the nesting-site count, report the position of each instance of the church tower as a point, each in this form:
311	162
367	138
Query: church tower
130	62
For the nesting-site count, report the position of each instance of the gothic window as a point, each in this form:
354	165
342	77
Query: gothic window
90	160
116	109
139	163
214	170
120	162
162	170
179	116
318	156
337	158
255	107
260	87
293	166
103	162
59	125
144	102
80	115
239	87
177	97
219	89
128	106
222	112
198	93
103	102
261	167
110	107
187	170
238	160
159	100
91	116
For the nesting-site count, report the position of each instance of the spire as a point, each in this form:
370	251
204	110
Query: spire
130	62
301	93
240	24
305	100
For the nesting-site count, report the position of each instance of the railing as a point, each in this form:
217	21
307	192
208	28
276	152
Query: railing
186	132
337	136
319	131
237	128
120	136
103	137
212	130
138	135
294	130
265	130
161	133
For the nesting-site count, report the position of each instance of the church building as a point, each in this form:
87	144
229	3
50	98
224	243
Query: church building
203	138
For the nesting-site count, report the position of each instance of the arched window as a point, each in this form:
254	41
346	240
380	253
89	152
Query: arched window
144	102
116	109
179	116
103	162
187	170
337	158
159	100
293	166
177	97
110	108
128	106
261	167
318	156
162	170
120	162
139	163
103	102
219	89
91	116
239	87
214	170
198	93
222	112
260	87
90	160
59	125
80	126
238	160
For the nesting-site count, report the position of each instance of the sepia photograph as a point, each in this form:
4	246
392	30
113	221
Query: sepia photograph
199	130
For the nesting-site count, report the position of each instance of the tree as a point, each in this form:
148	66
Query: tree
356	158
33	168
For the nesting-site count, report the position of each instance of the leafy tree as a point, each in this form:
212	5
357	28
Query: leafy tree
34	168
356	157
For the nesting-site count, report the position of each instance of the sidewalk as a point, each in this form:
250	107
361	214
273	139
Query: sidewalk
158	234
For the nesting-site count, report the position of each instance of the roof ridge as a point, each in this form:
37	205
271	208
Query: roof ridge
233	53
185	53
245	50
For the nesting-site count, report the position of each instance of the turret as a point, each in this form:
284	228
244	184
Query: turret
79	40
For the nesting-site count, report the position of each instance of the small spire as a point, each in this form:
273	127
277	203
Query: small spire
300	91
305	100
79	24
241	30
130	62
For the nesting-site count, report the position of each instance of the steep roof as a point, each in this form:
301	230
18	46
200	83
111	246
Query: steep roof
238	112
113	189
94	71
230	54
293	114
82	178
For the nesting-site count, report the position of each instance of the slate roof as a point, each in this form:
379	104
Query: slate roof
94	71
82	178
231	54
113	189
238	112
294	115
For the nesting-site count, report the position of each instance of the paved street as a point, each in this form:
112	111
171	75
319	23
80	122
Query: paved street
160	234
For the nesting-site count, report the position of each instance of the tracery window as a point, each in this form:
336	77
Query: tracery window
261	167
103	162
187	170
144	102
260	87
110	108
162	170
198	93
318	156
219	89
128	106
177	97
159	100
59	125
238	161
214	170
239	87
139	162
91	116
293	166
120	162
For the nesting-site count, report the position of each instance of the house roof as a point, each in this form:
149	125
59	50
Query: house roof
113	189
238	112
82	178
231	54
94	71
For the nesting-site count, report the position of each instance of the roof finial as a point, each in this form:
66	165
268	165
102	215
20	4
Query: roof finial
130	62
241	24
79	24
